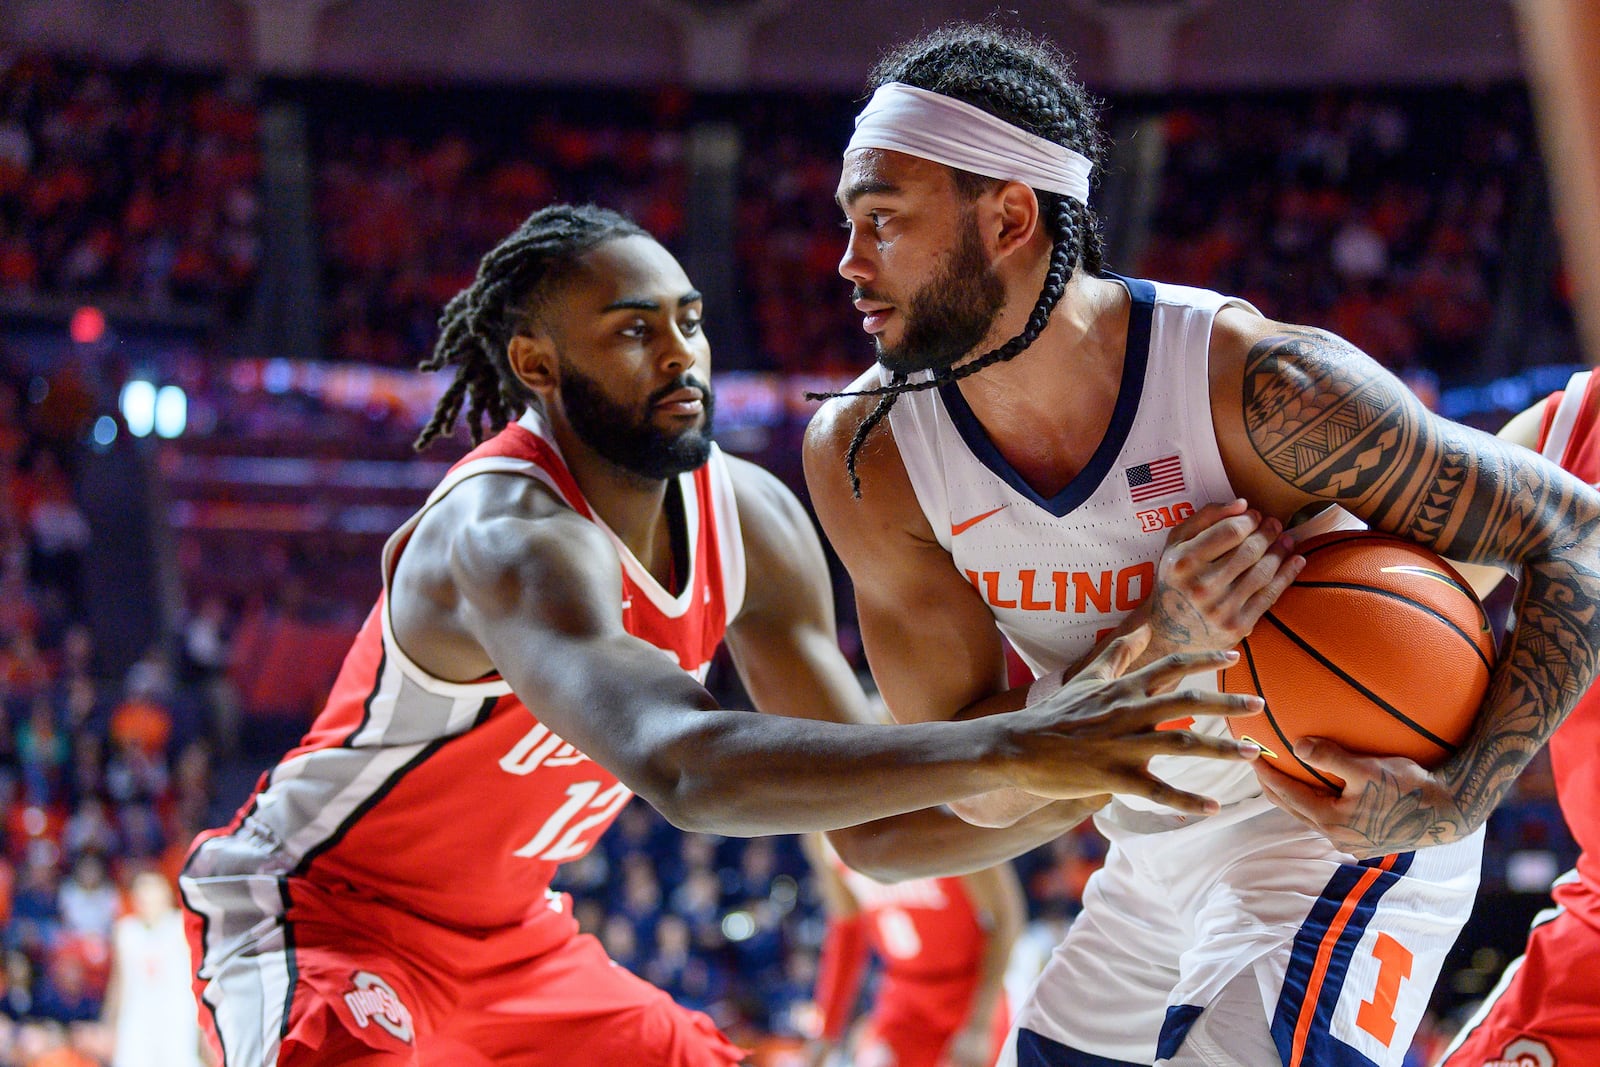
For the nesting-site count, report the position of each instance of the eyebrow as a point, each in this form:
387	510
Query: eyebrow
639	303
864	187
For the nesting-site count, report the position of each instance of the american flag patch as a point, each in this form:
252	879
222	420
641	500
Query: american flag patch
1159	477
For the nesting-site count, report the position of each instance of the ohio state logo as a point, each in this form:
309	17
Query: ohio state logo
374	1000
1525	1052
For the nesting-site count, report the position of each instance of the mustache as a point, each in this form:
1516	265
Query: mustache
682	381
858	293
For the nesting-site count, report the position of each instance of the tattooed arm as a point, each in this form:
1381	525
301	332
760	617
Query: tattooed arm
1303	416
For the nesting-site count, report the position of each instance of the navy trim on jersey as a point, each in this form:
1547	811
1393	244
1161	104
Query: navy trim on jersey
1321	1046
1175	1027
1036	1050
1135	360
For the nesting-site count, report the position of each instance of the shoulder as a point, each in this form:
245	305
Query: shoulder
1244	337
834	425
776	529
761	495
885	490
495	536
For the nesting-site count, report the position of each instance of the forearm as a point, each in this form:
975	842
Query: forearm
1549	663
747	774
935	843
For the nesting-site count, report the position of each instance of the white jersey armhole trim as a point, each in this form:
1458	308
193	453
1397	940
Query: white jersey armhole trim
391	646
1561	427
1201	420
730	535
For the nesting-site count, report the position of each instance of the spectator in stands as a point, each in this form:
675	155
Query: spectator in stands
149	1005
88	902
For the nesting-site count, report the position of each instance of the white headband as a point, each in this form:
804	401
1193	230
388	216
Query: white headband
903	118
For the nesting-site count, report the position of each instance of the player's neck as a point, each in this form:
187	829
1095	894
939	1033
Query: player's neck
633	506
1047	408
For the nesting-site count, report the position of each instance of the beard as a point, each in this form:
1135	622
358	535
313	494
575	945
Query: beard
630	439
948	316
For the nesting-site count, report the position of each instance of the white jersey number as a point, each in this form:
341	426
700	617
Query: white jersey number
581	796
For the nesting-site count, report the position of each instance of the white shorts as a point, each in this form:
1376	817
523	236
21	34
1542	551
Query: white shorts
1343	954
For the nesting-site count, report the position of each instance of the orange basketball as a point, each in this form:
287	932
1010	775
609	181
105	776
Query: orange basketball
1379	645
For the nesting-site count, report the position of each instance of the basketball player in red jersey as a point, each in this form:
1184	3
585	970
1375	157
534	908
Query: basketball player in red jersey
535	658
1546	1009
943	944
1049	454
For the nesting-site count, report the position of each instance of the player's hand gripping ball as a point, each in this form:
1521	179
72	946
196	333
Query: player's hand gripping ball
1379	645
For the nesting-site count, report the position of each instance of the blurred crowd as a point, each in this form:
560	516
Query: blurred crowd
135	184
406	208
1347	210
102	776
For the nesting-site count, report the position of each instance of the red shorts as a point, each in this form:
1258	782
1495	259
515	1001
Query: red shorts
365	984
1546	1010
912	1023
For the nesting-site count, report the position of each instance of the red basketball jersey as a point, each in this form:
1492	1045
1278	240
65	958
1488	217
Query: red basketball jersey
451	800
921	929
1571	437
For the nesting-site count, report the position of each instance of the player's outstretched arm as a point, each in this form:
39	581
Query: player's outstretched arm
932	642
1276	390
533	592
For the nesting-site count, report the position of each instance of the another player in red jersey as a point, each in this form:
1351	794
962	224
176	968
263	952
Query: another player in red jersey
1545	1011
535	658
943	944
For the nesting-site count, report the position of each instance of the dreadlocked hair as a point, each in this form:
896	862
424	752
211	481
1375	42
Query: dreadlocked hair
512	283
1028	83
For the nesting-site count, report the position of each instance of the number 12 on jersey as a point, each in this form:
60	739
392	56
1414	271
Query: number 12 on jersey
557	841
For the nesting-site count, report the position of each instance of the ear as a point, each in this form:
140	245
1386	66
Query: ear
1013	217
533	359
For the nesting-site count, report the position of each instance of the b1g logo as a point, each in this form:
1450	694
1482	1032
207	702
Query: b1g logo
1525	1052
1164	517
374	1000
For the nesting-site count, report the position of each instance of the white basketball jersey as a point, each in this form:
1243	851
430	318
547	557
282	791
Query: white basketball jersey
1058	572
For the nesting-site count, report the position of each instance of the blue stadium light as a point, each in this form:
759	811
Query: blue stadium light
105	431
172	411
138	404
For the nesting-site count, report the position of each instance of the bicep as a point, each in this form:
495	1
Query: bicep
543	600
930	639
1313	418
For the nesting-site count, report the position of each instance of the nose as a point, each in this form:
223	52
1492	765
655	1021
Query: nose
678	353
855	266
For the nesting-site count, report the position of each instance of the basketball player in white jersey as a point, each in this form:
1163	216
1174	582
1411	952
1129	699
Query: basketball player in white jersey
1052	454
149	1007
535	658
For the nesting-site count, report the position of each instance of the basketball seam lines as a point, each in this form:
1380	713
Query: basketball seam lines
1272	721
1358	687
1392	595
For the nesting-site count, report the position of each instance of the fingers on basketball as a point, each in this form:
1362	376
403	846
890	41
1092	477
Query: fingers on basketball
1378	645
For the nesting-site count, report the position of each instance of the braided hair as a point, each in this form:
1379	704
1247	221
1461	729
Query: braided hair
513	282
1028	83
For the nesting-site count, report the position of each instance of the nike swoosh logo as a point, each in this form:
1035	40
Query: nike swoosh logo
959	528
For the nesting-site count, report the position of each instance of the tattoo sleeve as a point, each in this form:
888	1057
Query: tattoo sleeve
1331	422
